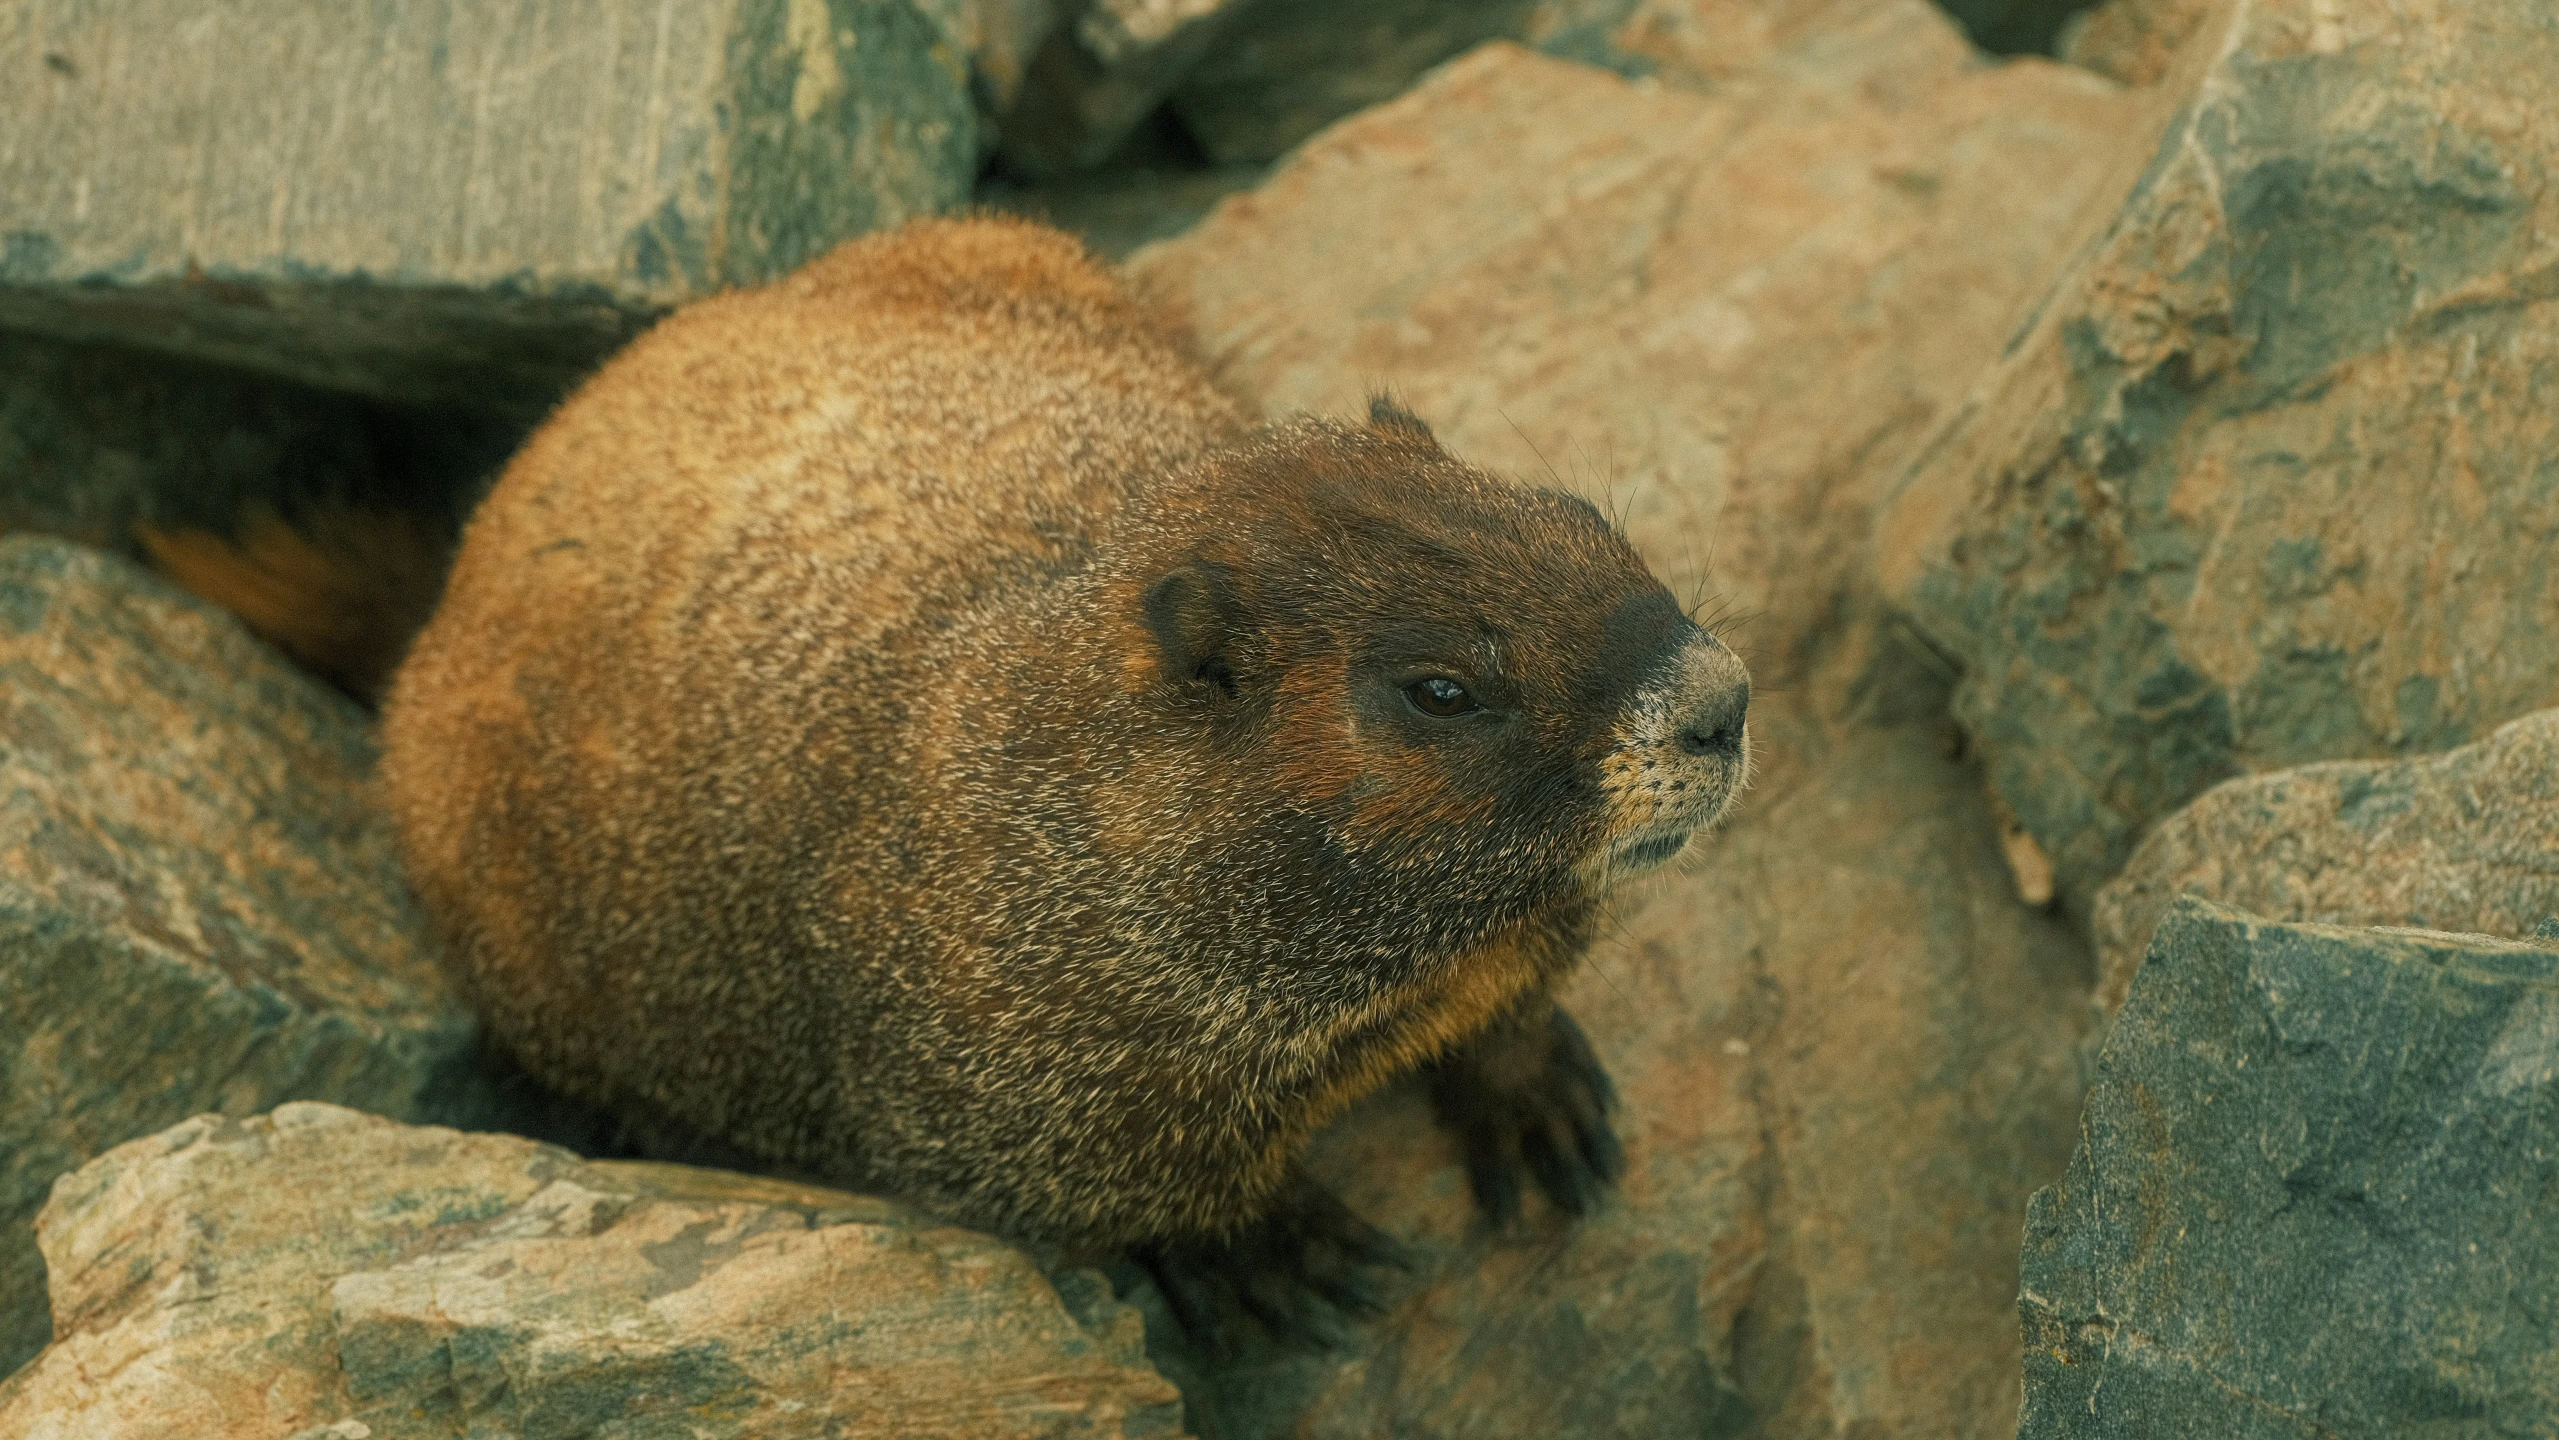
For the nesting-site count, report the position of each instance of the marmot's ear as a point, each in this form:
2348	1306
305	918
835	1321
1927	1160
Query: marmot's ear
1385	414
1195	617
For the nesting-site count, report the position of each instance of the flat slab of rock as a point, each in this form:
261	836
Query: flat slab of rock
323	1272
199	907
2465	841
1848	1053
465	201
2316	1194
2269	480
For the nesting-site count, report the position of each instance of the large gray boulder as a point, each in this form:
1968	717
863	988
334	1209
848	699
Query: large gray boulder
2467	841
323	1273
2316	1195
465	201
2268	480
199	906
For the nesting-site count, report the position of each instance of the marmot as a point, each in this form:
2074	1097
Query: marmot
905	720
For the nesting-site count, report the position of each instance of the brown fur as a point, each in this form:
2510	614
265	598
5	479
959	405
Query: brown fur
905	720
341	590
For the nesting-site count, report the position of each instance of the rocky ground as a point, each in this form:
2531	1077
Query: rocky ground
2131	477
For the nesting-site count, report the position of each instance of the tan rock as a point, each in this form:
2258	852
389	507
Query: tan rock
199	905
318	1270
1726	329
1847	1048
1803	55
2466	841
2269	480
1284	71
2135	41
1280	73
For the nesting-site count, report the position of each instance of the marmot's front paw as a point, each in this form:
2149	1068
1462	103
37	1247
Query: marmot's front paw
1531	1094
1300	1273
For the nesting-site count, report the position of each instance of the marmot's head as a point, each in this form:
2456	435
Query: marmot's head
1383	696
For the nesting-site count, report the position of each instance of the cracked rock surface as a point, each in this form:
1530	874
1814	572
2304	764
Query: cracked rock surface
319	1271
2463	841
2270	478
463	202
199	904
2316	1194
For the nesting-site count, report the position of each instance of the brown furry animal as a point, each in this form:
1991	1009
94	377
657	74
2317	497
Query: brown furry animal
904	720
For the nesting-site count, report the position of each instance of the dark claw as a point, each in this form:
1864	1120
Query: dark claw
1565	1181
1493	1176
1532	1097
1193	1308
1298	1274
1601	1150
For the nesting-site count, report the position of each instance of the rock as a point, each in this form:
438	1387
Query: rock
322	1271
1727	328
1100	73
2317	1194
199	907
468	203
1798	59
2134	41
1283	72
2460	841
1847	1050
2269	480
1004	36
1286	71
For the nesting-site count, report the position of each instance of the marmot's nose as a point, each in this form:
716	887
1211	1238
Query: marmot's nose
1718	703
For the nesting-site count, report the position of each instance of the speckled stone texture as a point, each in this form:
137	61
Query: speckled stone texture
2316	1195
2274	476
199	909
2465	841
457	201
2134	41
1848	1053
326	1273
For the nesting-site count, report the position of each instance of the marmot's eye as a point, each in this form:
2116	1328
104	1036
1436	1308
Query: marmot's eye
1440	697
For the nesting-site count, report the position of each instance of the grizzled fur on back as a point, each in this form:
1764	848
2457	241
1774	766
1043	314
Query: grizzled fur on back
904	720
